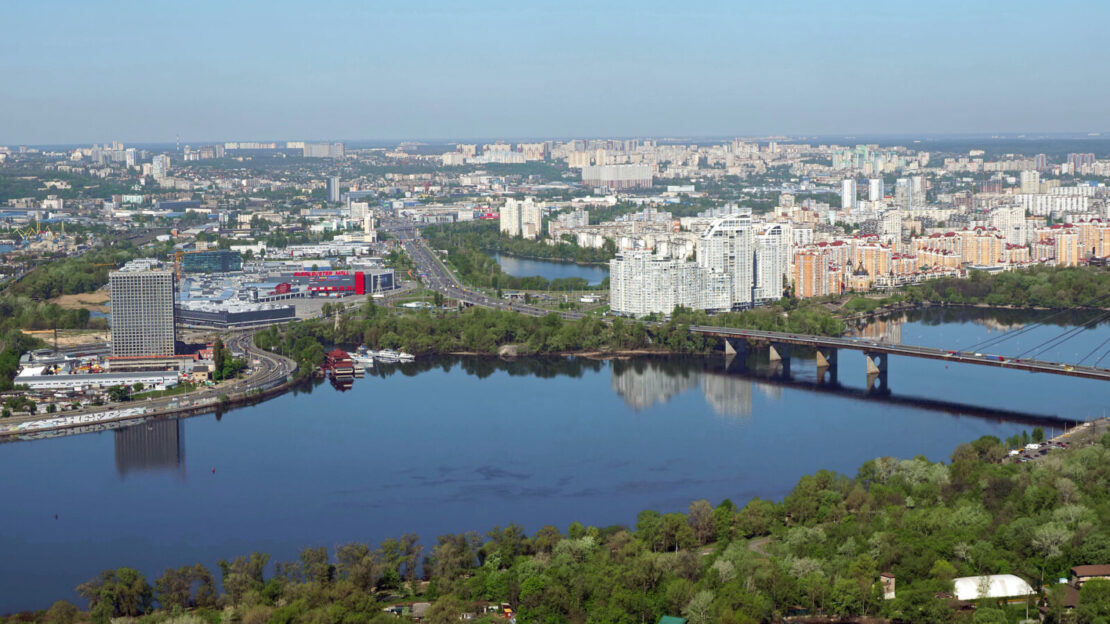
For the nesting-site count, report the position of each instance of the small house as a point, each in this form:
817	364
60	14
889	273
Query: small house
887	581
1083	573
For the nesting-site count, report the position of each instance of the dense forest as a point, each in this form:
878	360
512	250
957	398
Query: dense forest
820	550
483	331
1048	287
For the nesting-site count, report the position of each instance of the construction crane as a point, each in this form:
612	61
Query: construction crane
177	256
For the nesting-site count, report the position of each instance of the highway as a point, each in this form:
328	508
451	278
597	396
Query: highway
440	279
270	370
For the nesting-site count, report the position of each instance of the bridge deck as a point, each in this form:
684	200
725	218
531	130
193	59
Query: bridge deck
446	283
963	357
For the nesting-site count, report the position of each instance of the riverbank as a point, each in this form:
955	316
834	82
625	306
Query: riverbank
274	376
557	259
821	548
914	306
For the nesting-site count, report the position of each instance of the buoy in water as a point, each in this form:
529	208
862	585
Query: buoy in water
213	471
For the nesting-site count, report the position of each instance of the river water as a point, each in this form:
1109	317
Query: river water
457	444
524	267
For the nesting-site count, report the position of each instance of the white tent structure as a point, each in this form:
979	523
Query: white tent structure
992	586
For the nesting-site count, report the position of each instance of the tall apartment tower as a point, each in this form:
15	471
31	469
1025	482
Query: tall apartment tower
904	194
333	189
875	189
522	217
728	247
772	262
142	309
1030	182
848	194
161	166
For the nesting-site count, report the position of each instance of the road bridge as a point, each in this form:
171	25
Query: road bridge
877	353
779	344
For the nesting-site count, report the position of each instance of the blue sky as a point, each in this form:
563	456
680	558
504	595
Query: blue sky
148	71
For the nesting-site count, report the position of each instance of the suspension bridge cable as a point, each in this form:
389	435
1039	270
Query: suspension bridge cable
1061	338
1093	351
993	341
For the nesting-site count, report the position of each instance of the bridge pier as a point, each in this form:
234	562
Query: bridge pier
736	347
876	371
826	365
780	352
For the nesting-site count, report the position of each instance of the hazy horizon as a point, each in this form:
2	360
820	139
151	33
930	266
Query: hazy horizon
143	73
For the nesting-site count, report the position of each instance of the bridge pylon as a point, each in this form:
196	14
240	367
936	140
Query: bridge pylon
826	365
736	346
780	352
876	371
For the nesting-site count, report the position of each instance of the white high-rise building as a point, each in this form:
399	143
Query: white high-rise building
772	262
903	194
332	188
642	283
848	194
522	217
875	189
1010	221
1030	182
160	166
890	225
728	247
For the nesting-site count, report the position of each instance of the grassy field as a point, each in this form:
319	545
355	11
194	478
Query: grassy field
154	394
96	301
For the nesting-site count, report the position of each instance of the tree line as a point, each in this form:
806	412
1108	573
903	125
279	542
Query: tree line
468	246
72	275
479	330
1042	286
820	550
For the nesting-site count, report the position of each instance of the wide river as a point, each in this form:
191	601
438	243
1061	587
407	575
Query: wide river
524	267
460	444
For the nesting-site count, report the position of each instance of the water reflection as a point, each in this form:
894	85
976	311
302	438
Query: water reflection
644	383
887	330
157	445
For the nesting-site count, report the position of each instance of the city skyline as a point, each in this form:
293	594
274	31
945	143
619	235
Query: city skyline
389	71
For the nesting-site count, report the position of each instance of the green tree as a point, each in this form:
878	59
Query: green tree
62	612
117	593
119	393
700	608
446	610
1094	601
219	359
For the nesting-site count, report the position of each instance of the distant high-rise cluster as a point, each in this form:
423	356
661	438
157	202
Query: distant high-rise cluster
617	177
324	150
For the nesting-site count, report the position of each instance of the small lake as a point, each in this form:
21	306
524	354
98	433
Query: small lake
526	267
449	445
